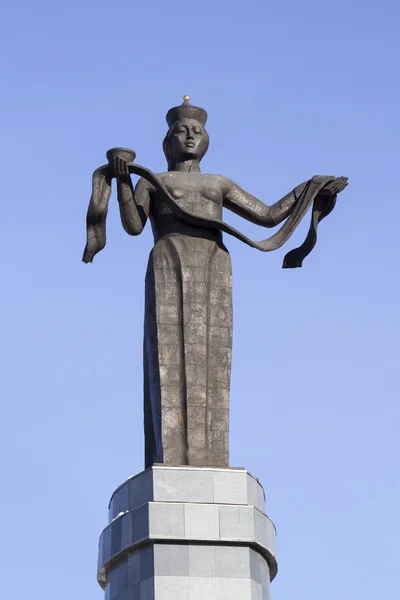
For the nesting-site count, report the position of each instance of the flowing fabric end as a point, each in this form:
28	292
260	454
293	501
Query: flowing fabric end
291	261
97	214
322	206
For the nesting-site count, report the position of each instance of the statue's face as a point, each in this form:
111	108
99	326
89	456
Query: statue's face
188	140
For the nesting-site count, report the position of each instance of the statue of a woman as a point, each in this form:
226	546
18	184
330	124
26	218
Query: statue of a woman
188	297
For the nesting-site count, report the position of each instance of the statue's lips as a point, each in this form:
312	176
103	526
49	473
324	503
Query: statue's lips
189	145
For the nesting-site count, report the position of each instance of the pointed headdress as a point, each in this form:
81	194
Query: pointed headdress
186	111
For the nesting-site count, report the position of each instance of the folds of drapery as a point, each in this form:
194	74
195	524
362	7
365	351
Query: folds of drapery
305	197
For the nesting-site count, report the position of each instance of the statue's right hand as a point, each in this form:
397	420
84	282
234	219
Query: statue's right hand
120	169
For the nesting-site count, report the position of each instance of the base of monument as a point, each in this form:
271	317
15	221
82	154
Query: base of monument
188	533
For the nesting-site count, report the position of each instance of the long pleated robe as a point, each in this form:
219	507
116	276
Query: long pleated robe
187	352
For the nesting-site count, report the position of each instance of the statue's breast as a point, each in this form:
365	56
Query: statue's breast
212	192
177	193
196	194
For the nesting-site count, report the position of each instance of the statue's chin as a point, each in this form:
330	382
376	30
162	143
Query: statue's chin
188	154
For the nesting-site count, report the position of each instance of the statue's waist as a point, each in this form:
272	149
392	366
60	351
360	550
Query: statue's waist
168	224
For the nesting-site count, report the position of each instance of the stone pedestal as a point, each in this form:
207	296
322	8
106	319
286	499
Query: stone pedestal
188	533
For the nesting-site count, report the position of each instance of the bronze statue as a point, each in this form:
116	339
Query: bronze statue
188	305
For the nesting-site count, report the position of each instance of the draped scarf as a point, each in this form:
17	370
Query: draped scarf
305	195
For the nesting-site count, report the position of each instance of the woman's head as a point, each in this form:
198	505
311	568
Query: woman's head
187	139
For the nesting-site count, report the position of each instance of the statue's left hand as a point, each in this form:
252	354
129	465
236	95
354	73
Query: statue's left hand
335	187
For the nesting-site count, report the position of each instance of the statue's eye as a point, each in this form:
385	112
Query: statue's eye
197	132
180	131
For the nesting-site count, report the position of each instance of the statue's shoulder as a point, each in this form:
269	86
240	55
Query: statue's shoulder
164	177
215	177
222	182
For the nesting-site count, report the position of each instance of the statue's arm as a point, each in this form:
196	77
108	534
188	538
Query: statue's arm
249	207
134	204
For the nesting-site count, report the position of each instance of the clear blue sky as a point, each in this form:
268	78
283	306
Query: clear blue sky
292	89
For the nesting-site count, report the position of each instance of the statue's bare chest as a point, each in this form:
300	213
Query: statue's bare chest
194	192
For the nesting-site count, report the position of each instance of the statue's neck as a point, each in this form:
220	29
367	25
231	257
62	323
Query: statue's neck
186	166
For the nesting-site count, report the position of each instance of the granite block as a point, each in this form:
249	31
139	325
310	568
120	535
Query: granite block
134	568
255	566
183	485
146	562
259	569
201	560
140	489
232	561
230	487
147	591
166	520
232	589
171	560
256	590
203	588
126	533
255	493
264	531
134	592
170	485
172	588
229	522
201	522
105	545
236	523
266	593
140	523
121	501
123	577
201	486
116	536
246	522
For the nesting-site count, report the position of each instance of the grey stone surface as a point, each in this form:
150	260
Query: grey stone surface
230	487
256	590
220	589
201	521
166	520
189	571
170	545
147	562
202	588
126	529
232	561
140	522
140	489
147	589
202	560
255	493
229	526
192	522
246	522
259	569
172	588
183	485
236	522
187	484
225	519
134	568
171	559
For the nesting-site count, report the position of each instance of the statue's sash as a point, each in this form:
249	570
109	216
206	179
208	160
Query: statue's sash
305	194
